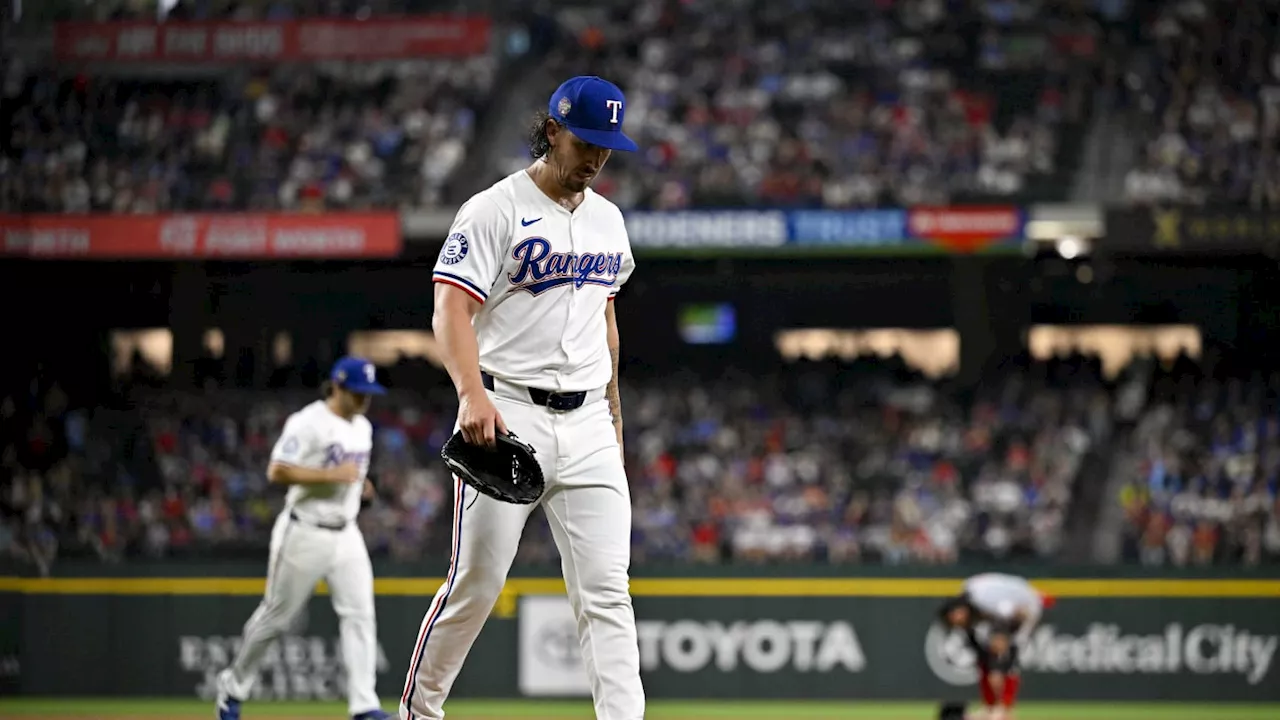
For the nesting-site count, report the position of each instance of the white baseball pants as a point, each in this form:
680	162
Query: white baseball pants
588	506
301	555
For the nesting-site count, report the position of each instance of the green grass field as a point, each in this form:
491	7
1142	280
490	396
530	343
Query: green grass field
31	709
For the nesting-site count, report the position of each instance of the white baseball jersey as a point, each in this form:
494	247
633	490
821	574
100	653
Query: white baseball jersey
544	275
1001	596
314	437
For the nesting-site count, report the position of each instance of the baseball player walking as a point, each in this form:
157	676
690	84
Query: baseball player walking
523	315
323	456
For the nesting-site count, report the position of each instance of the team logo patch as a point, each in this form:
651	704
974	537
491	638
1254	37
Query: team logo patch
455	248
290	446
564	106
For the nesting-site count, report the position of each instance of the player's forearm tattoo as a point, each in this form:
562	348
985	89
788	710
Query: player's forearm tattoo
611	391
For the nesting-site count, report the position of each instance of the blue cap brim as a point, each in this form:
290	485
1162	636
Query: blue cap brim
364	388
606	139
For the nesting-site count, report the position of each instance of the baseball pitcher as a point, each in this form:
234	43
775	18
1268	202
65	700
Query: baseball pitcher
525	322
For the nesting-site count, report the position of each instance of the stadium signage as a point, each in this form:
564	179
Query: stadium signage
965	229
294	667
689	229
551	657
1201	649
302	40
1117	639
1208	649
945	230
858	227
249	236
763	646
1190	230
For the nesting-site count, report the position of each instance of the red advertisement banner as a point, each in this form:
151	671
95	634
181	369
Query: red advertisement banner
204	237
204	42
965	229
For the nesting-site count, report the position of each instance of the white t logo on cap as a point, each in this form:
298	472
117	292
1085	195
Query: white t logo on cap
615	106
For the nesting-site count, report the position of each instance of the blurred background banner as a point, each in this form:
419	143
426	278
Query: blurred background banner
1192	231
282	41
228	236
888	231
708	229
968	229
852	229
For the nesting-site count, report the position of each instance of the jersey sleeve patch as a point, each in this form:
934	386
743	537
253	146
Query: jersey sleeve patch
291	447
455	249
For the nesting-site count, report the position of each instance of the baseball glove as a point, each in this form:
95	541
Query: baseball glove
509	472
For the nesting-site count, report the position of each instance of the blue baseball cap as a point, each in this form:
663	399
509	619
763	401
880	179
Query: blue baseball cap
356	375
592	108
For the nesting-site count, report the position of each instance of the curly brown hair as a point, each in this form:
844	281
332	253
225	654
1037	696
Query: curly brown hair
539	144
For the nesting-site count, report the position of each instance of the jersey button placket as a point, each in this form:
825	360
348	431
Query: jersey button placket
573	299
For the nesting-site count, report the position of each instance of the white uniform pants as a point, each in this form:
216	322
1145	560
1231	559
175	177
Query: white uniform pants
588	506
301	555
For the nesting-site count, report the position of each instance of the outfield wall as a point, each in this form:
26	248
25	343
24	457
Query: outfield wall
1148	638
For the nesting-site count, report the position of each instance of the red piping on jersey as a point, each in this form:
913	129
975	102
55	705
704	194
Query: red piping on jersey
461	287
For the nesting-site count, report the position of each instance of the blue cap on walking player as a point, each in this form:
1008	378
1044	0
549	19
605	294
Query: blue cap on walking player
592	108
356	375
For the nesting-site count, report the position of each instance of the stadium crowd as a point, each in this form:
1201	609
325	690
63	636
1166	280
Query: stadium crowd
862	463
1203	472
821	103
822	463
812	103
289	138
1204	87
807	103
